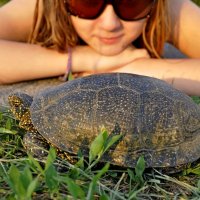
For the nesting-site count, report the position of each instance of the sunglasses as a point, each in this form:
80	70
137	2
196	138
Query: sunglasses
127	10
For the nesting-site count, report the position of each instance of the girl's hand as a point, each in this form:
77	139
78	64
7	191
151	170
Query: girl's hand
129	55
93	62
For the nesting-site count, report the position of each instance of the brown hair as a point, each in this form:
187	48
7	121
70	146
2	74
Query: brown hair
157	29
53	29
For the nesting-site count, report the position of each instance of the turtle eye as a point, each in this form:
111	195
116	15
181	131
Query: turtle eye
14	101
17	104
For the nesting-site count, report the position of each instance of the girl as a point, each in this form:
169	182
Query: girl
38	38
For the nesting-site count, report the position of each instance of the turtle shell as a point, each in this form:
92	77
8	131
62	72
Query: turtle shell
156	120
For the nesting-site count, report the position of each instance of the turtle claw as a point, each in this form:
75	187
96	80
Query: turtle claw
35	144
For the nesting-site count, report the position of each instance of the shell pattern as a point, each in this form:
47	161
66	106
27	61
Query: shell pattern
156	120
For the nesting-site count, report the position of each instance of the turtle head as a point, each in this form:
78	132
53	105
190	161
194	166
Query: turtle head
20	107
19	104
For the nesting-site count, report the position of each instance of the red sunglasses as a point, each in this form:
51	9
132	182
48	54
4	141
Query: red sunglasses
127	10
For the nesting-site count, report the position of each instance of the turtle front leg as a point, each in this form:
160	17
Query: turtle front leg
36	144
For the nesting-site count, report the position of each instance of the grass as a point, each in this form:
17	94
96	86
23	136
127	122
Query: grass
3	2
23	177
196	1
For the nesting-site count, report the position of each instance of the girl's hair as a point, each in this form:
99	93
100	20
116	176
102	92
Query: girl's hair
52	27
157	30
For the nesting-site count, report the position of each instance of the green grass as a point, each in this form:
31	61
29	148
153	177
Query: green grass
23	177
197	2
3	2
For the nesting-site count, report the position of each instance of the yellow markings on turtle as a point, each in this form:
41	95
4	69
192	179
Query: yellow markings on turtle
26	122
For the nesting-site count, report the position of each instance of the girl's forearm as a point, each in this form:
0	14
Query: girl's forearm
183	74
22	61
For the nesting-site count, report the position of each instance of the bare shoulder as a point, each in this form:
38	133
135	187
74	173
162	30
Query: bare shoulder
16	18
185	16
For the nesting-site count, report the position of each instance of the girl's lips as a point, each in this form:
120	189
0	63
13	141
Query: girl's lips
110	40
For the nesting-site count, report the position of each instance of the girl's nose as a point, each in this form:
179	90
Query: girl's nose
109	20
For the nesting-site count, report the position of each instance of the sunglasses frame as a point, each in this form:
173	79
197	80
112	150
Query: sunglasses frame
112	2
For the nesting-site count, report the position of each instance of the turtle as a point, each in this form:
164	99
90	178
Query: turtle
156	121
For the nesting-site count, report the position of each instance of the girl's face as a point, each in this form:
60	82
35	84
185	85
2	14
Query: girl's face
108	34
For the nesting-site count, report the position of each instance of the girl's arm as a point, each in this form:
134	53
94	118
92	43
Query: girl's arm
183	74
185	18
16	19
21	61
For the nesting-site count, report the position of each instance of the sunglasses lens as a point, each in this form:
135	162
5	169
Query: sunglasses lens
133	9
86	9
126	9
